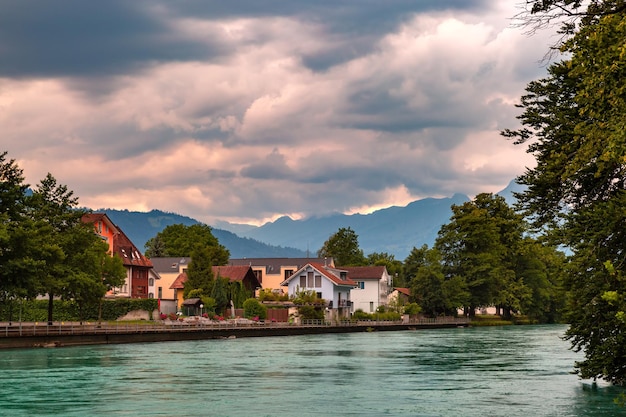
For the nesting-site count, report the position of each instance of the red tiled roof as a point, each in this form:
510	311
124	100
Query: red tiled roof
405	291
122	245
179	282
233	273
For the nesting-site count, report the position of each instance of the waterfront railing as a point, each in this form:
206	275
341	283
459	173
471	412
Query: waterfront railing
75	328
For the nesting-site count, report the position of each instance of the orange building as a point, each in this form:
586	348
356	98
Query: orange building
140	276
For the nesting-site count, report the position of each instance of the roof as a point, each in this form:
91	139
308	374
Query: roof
121	245
273	265
191	301
179	282
169	264
405	291
233	273
332	274
365	272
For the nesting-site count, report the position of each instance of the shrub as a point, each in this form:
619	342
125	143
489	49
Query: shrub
310	312
253	308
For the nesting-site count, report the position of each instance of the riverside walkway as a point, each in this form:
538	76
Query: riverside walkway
27	335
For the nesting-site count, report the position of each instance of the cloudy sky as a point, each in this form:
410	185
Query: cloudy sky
246	110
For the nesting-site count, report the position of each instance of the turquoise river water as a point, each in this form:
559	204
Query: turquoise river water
500	371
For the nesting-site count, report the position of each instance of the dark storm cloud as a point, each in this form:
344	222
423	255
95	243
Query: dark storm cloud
74	37
65	38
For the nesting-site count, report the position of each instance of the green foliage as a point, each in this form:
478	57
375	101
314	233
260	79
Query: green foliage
219	293
383	316
343	247
412	309
310	312
302	297
573	123
267	294
199	273
179	240
253	308
69	310
394	267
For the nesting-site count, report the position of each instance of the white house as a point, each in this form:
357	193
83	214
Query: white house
373	285
331	284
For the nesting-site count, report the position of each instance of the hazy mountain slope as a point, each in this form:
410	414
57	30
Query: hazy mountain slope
140	227
395	230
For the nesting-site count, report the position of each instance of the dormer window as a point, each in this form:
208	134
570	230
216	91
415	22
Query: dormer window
343	275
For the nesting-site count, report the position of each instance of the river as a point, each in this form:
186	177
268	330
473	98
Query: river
495	371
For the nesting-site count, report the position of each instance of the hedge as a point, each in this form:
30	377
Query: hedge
37	310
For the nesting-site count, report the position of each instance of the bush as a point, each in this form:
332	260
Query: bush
310	312
253	308
412	309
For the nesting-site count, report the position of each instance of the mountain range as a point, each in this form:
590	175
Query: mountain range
393	230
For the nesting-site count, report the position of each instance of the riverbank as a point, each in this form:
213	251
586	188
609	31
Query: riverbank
32	335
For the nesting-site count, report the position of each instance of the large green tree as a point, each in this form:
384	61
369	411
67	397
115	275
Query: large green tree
479	246
573	123
181	240
343	247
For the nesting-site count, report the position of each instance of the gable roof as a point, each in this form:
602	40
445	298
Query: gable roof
365	272
122	245
405	291
332	274
233	273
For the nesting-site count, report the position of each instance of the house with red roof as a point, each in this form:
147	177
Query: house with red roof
140	276
373	285
237	273
330	284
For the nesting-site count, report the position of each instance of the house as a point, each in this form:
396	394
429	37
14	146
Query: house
330	284
168	268
271	272
399	296
240	273
139	273
373	284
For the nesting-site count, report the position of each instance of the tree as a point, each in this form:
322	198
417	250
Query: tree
200	272
53	208
479	247
219	293
343	247
412	264
17	268
394	267
179	240
573	123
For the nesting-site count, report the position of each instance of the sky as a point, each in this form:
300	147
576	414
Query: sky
248	110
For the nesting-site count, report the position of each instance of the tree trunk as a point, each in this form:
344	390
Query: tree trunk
50	307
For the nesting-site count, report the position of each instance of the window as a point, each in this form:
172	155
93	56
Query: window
259	275
150	295
160	292
318	281
309	280
319	295
371	306
288	273
151	282
302	281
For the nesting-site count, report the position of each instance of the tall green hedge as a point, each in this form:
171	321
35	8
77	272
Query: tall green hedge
37	310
